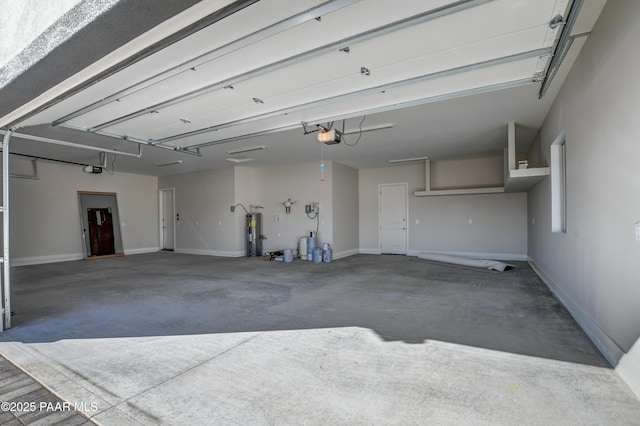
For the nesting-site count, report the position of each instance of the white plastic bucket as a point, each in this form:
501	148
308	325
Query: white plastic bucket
288	255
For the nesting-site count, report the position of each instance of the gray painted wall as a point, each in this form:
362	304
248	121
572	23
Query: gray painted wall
202	201
208	227
45	213
498	227
345	209
300	182
593	267
468	173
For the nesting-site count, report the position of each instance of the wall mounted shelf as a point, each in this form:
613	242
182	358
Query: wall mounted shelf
428	192
515	180
462	191
519	180
523	179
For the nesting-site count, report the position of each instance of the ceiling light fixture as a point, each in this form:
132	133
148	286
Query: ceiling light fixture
369	129
404	160
248	149
239	159
170	163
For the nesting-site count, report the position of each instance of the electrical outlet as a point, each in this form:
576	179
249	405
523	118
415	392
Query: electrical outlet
233	209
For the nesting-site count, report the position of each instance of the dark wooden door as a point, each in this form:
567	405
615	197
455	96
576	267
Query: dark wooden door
101	232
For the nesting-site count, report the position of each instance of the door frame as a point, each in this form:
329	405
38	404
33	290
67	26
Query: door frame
119	247
161	216
406	198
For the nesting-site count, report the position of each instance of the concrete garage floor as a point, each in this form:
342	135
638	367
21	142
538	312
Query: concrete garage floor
166	338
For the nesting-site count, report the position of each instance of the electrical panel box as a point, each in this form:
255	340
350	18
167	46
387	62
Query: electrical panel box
314	207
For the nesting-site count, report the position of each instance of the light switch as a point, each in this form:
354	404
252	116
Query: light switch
417	221
637	231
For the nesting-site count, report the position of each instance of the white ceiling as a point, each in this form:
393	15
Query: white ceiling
447	75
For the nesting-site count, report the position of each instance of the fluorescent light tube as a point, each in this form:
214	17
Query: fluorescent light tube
169	164
369	129
239	159
249	149
403	160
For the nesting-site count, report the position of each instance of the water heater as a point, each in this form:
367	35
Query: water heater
253	226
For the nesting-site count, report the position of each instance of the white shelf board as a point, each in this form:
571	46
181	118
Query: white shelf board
463	191
522	179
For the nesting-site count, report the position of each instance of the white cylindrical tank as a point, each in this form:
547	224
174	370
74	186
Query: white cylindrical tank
302	248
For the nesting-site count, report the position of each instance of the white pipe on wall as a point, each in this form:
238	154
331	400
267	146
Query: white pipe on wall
74	145
6	275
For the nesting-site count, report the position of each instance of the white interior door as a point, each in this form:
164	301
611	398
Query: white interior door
167	226
393	218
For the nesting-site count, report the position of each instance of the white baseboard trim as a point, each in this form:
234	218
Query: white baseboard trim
39	260
629	368
220	253
369	251
345	253
141	250
609	349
